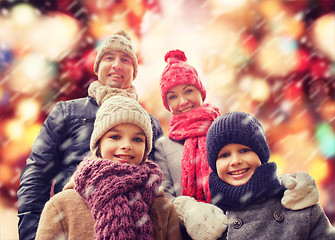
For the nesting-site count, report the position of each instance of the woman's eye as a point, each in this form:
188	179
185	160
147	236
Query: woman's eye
188	91
171	97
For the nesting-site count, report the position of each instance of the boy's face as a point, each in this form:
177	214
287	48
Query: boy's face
124	143
116	70
183	98
236	163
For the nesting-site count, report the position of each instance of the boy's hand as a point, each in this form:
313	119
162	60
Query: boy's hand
301	190
201	220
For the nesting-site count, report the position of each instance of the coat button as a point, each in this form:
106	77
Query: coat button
237	223
278	216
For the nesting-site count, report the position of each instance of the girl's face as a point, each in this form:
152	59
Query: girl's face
124	143
183	98
236	163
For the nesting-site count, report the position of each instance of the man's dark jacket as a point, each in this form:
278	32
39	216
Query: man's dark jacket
59	147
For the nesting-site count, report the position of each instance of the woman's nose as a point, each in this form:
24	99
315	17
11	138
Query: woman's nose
183	100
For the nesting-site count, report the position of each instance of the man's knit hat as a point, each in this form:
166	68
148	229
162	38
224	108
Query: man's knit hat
236	127
177	72
120	41
118	110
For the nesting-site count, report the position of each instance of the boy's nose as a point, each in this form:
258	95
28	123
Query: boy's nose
235	159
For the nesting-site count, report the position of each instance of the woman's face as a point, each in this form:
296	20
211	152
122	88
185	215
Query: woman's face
183	98
236	163
124	143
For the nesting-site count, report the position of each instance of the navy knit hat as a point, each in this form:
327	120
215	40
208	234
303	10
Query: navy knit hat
236	127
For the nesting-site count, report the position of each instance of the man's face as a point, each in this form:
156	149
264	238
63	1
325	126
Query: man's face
116	70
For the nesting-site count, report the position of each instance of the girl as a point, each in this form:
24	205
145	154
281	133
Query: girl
113	194
245	185
182	154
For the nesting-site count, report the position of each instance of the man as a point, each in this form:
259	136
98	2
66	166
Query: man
64	137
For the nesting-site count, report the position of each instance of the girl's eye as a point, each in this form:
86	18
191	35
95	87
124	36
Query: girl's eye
115	137
125	60
137	139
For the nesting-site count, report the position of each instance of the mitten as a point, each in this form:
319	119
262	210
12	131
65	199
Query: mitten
301	190
203	221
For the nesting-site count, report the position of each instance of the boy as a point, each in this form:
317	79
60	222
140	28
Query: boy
246	187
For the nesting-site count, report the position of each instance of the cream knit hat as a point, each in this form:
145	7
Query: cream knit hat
120	41
118	110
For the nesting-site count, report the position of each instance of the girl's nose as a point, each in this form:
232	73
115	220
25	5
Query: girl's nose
125	145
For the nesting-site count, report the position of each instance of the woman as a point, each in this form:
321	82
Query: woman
182	154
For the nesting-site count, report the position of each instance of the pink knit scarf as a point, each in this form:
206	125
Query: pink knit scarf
119	195
192	127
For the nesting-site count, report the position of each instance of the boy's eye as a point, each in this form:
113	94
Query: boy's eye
245	150
224	155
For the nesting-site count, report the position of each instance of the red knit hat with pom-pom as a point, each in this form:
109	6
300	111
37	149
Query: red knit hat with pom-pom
177	72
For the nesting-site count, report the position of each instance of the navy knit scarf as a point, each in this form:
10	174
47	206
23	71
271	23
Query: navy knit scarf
264	183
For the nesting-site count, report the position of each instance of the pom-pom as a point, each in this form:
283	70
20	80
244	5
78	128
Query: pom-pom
178	54
123	33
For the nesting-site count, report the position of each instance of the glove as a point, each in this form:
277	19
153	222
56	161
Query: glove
203	221
301	190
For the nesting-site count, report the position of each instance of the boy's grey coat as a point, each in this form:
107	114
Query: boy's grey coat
270	220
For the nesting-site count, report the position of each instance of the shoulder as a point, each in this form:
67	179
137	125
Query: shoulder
167	143
86	106
68	200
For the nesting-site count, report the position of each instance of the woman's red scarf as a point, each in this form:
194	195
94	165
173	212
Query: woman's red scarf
192	127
